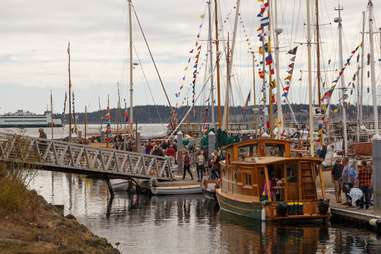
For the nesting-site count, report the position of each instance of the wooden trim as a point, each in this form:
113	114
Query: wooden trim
267	183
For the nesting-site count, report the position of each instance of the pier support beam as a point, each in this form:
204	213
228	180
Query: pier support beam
110	188
377	173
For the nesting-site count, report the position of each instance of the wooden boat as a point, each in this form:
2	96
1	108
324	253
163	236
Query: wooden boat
262	180
175	188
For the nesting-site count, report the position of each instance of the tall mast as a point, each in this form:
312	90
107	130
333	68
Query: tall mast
372	68
318	72
230	65
51	113
211	62
70	116
254	94
131	117
100	109
341	64
309	65
362	65
277	32
226	104
358	104
85	122
219	113
270	109
118	115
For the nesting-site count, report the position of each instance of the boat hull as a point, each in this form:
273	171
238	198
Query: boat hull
249	210
176	190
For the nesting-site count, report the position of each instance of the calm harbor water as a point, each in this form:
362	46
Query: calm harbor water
188	224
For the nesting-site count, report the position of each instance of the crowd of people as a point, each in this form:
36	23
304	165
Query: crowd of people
193	160
354	179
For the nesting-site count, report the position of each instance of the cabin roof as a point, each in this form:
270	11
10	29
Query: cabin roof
271	160
255	141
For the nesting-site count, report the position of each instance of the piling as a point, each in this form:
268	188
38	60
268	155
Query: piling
376	155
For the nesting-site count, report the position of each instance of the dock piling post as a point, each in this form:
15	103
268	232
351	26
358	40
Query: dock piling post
110	188
211	143
376	156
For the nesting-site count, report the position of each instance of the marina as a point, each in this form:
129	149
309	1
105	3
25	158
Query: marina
199	126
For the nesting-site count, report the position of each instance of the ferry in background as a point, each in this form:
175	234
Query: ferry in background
22	119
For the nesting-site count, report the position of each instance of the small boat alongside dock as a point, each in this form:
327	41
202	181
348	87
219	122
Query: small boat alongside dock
175	188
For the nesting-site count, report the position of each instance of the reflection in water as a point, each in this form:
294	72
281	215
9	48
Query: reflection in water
188	224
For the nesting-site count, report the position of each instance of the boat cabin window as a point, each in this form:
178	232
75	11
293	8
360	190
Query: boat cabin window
274	150
246	152
247	180
292	173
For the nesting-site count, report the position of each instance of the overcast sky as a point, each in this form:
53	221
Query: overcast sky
34	37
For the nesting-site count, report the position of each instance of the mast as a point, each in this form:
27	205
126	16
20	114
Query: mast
85	122
341	64
254	94
270	109
118	115
51	113
230	66
210	46
309	65
358	105
372	69
362	66
219	113
100	109
277	32
318	71
70	116
226	105
131	117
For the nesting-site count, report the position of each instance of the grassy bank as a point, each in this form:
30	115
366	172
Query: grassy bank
28	224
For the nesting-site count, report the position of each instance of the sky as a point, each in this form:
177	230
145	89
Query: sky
34	38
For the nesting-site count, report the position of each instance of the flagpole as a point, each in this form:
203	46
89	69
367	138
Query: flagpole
270	109
100	110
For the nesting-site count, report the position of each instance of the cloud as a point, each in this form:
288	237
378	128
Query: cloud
33	58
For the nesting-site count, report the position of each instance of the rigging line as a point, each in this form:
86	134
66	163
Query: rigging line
146	81
150	53
190	108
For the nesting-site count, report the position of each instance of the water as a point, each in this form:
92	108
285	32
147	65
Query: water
188	224
146	130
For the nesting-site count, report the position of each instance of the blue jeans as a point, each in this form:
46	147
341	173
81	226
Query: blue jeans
365	200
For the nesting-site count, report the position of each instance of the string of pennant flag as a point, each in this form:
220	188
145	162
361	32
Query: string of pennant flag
290	71
326	98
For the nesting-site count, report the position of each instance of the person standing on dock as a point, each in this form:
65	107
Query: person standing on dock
42	134
200	165
349	177
187	164
337	171
365	184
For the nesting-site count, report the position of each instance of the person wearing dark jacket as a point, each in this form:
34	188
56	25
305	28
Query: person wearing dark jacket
187	164
337	171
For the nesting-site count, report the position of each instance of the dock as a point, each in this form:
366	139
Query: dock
366	218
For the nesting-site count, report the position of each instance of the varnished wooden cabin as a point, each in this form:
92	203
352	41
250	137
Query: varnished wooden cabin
263	179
